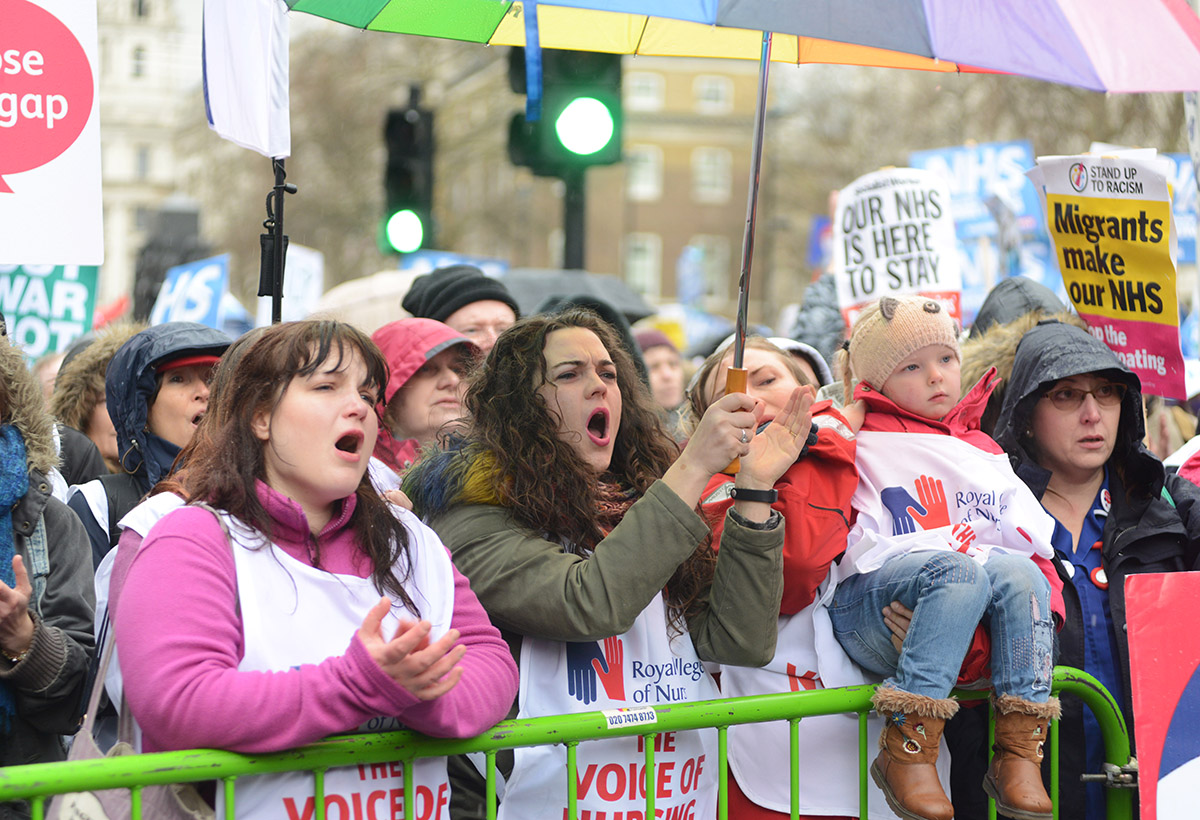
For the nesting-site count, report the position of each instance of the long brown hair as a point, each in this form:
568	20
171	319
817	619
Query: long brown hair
540	478
226	457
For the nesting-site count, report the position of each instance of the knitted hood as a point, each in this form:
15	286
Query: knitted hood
459	474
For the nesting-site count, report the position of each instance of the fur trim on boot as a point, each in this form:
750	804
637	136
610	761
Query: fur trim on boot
1008	704
889	699
1014	778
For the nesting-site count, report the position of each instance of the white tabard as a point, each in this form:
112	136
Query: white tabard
925	491
293	614
645	667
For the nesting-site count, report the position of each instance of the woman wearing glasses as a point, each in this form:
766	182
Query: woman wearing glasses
1072	425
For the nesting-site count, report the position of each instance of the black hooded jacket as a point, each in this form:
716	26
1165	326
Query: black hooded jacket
1144	531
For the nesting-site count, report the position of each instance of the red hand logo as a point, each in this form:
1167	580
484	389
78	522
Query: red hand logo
613	680
932	496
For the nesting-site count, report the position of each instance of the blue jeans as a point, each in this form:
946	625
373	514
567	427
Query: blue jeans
949	594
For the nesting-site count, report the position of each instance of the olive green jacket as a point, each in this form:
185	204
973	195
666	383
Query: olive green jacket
531	586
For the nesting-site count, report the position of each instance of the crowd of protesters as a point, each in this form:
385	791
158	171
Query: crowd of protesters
471	515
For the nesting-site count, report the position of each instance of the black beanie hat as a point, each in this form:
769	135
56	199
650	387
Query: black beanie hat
439	294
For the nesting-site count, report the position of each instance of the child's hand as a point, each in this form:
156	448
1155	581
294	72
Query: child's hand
855	413
399	498
898	619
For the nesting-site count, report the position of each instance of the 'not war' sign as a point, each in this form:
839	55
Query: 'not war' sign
894	235
47	307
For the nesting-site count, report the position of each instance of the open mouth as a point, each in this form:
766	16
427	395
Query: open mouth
350	443
597	426
196	419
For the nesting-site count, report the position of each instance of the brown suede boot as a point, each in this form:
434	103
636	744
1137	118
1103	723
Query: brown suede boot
1014	780
905	768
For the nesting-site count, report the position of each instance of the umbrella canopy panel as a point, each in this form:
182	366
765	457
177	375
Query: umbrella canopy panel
591	28
1103	45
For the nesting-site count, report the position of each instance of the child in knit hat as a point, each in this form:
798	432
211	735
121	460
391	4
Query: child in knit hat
946	529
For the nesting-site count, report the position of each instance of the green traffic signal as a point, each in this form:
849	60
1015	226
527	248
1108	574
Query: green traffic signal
585	126
404	231
581	118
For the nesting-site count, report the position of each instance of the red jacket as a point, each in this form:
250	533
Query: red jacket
814	500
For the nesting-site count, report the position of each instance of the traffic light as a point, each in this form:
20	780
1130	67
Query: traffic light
408	181
581	119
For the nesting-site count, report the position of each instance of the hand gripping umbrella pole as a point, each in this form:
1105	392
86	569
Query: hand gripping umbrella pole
737	377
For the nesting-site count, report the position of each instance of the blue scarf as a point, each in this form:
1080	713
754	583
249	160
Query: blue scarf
14	482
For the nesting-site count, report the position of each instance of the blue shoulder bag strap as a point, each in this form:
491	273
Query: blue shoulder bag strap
39	563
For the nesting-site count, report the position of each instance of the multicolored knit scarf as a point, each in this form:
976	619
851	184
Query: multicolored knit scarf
613	500
14	482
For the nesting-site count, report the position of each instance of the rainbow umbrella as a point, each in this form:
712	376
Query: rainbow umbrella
1102	45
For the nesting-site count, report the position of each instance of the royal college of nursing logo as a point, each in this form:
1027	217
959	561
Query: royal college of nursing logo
929	510
596	665
587	663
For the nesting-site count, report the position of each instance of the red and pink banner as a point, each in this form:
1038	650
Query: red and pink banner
1164	658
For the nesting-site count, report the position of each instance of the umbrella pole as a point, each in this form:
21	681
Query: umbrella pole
737	377
760	118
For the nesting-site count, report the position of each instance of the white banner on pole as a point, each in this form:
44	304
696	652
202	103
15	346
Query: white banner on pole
246	74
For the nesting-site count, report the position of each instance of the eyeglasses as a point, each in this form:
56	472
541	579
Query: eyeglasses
1070	398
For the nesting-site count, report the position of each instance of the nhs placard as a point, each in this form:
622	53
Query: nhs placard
192	292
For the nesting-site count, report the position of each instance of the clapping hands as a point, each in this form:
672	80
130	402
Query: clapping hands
426	669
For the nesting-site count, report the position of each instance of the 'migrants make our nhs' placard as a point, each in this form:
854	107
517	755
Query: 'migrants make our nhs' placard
1109	219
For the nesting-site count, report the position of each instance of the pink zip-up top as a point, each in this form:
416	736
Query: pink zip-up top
180	638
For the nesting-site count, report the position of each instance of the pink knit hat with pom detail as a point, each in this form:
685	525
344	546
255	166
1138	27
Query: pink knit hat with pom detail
892	329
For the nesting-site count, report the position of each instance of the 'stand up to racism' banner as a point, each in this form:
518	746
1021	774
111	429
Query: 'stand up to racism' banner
1110	221
894	235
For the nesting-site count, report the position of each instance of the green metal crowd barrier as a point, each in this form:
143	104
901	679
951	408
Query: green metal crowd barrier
37	783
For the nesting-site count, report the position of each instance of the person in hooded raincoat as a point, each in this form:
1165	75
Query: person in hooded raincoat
427	361
1072	426
157	392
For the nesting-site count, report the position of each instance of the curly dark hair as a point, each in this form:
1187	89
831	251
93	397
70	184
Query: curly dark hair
226	458
540	478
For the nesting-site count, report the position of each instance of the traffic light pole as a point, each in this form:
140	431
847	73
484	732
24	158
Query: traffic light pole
574	213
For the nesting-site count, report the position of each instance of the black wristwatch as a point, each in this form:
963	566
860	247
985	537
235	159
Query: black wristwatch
765	496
